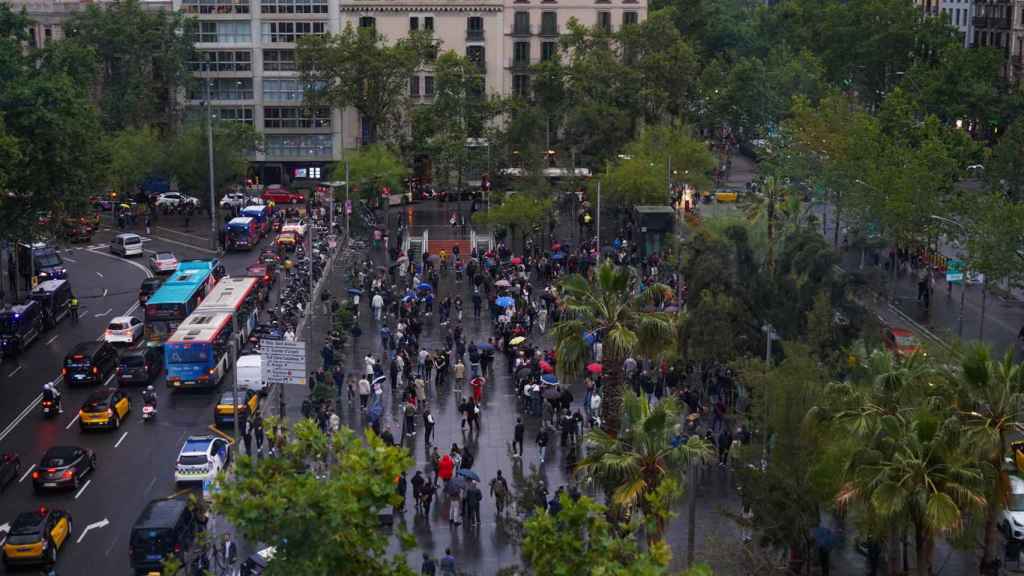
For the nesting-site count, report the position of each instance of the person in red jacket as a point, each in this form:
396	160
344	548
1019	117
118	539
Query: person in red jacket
446	468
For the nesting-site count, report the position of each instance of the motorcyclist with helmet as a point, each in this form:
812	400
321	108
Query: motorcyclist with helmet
52	394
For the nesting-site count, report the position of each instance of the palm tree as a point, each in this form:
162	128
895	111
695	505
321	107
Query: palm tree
919	472
992	409
627	323
640	459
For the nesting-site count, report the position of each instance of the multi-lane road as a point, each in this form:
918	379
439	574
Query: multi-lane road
135	464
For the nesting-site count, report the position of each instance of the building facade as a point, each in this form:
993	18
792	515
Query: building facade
1000	24
960	15
245	53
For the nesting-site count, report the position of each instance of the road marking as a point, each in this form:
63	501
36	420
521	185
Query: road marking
86	485
16	370
27	472
99	274
99	524
150	486
73	261
72	423
172	231
104	293
121	440
178	493
4	530
100	315
187	245
31	406
112	544
50	341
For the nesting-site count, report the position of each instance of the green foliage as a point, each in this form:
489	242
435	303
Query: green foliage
993	226
318	525
640	463
360	68
626	322
371	168
188	160
581	541
640	175
141	56
1006	171
516	213
134	154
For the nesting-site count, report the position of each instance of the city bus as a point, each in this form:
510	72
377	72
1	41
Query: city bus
239	297
197	354
171	304
261	214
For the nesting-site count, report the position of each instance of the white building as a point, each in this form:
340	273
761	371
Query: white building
960	14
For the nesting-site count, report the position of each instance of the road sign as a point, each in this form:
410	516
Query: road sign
283	362
954	271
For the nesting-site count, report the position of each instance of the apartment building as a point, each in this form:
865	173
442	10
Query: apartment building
245	52
960	14
1000	24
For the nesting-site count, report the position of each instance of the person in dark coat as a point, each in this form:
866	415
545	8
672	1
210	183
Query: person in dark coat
724	444
400	489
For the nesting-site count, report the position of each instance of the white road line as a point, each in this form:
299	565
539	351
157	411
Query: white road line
15	371
109	378
72	423
73	261
105	293
50	341
31	406
186	244
99	274
27	472
102	314
121	440
87	482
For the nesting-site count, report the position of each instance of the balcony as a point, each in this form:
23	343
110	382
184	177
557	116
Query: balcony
474	35
522	30
549	31
519	64
991	22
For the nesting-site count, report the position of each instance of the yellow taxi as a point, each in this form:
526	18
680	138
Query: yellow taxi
105	408
225	410
286	239
36	536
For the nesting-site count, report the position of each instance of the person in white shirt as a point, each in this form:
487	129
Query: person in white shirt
598	349
377	303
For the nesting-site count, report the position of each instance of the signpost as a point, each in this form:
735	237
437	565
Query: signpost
283	362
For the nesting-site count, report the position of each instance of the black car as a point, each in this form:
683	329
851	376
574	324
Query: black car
140	366
63	467
89	363
149	286
10	467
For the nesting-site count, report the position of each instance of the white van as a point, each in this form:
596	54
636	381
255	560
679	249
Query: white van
126	245
250	373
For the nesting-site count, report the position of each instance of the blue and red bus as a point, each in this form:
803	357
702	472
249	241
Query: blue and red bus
171	304
198	353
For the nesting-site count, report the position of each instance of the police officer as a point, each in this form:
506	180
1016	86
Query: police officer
74	309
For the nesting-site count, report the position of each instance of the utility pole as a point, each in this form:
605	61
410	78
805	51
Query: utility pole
233	359
769	335
209	153
597	219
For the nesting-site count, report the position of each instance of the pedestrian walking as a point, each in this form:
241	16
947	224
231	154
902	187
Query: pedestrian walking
500	492
517	439
724	444
542	441
230	554
258	433
473	498
364	393
448	563
428	567
428	427
400	489
149	222
377	303
247	435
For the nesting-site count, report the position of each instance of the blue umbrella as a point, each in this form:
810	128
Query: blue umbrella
485	346
355	291
425	286
408	298
549	379
558	255
589	337
466	473
505	301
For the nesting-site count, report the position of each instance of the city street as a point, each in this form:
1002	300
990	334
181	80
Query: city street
135	464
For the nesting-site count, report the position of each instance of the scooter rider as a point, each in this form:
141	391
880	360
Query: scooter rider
51	393
149	396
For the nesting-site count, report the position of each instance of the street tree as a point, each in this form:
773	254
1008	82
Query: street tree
580	541
142	60
134	154
625	321
188	159
991	393
372	168
517	213
318	523
642	173
641	465
668	67
360	68
1005	170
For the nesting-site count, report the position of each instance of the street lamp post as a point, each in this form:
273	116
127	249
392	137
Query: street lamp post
209	154
769	335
